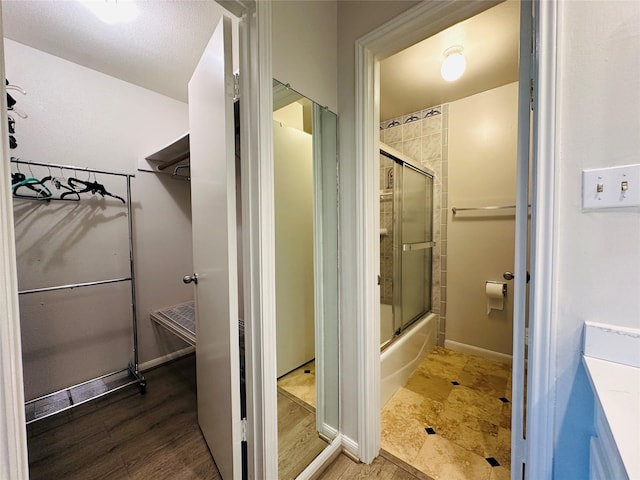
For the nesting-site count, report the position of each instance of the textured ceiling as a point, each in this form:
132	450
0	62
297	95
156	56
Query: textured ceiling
158	50
411	81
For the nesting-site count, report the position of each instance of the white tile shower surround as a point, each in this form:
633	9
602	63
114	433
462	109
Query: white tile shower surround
612	360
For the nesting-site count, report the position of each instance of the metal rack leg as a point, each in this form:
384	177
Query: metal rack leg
135	373
133	367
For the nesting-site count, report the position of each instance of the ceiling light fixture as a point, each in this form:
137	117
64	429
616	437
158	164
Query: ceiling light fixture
454	64
112	11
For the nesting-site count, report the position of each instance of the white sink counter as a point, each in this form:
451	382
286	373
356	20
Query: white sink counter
616	387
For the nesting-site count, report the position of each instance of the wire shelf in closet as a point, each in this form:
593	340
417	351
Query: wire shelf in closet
50	404
179	320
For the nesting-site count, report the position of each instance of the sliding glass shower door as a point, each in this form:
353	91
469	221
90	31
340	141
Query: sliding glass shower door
413	244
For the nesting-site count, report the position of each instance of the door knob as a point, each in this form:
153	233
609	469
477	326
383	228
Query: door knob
511	276
190	278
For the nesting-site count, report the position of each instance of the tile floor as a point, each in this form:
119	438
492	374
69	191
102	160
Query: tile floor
452	418
301	383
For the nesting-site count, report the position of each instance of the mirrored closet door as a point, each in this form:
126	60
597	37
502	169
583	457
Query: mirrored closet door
306	234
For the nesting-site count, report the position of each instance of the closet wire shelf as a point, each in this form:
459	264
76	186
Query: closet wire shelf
64	399
179	320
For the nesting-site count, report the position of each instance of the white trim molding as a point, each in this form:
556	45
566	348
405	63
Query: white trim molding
367	295
258	237
13	437
479	352
418	23
543	315
350	446
322	461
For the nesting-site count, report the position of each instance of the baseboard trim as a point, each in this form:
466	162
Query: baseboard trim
315	469
156	362
350	448
480	352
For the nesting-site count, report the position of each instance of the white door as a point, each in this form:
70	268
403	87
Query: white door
518	441
213	206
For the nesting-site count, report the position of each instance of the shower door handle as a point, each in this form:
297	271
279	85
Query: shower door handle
407	247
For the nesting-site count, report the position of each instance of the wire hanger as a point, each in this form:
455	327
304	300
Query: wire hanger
20	113
16	88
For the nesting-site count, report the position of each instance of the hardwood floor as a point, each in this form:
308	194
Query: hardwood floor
298	441
343	468
126	435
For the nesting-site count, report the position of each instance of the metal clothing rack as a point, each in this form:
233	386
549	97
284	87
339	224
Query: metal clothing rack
111	382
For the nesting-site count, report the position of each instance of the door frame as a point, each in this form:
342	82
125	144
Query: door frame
258	233
422	21
13	432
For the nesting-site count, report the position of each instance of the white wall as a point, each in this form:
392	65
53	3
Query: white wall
293	178
598	253
81	117
304	43
482	171
355	19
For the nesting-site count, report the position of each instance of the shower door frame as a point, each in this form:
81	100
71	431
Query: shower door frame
398	241
422	21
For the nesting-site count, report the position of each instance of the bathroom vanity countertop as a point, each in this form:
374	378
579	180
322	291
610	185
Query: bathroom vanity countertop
617	388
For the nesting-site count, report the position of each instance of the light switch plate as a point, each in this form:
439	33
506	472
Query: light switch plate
611	187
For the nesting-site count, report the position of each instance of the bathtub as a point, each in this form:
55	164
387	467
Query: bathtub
399	360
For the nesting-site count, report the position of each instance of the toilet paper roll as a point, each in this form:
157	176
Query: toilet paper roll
494	291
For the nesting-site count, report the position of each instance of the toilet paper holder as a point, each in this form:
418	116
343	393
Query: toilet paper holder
504	286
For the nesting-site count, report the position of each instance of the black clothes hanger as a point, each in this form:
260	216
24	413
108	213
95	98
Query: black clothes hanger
17	177
93	187
10	101
55	181
20	182
34	185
